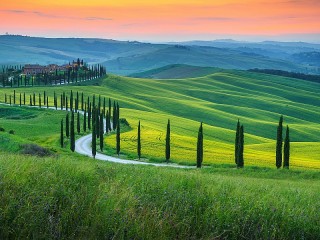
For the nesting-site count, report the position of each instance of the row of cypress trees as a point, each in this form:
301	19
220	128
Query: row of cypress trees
12	77
100	111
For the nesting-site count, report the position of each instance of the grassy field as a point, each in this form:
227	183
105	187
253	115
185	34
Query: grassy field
218	100
72	197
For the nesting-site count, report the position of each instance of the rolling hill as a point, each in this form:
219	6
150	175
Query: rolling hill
219	100
128	57
176	71
67	195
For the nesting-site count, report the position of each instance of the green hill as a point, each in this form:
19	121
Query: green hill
176	71
65	195
218	100
128	57
195	56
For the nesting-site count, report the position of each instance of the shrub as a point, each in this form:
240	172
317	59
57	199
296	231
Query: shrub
11	132
124	122
2	129
35	150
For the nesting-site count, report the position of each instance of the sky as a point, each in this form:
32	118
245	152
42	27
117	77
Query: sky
164	20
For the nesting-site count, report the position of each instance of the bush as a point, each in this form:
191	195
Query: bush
2	129
124	122
35	150
12	132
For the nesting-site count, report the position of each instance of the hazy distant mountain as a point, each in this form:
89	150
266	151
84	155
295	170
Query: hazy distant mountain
127	57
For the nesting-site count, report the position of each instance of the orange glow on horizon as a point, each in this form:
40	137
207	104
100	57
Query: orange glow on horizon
171	19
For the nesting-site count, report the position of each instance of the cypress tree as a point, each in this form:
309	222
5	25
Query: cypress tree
72	137
34	99
44	98
101	131
114	117
94	135
47	102
82	106
89	116
279	144
168	150
118	139
61	134
104	106
24	98
107	122
99	105
236	143
118	113
85	121
67	125
200	147
71	101
77	102
30	100
240	159
286	150
39	100
97	115
78	122
66	103
110	114
139	141
14	97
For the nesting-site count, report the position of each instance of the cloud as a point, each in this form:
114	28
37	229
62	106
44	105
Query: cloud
97	19
42	14
215	19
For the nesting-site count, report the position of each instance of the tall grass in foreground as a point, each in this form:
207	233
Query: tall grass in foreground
73	197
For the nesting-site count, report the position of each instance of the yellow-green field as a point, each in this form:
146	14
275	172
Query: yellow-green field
218	100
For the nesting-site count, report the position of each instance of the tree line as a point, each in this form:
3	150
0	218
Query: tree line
97	111
14	77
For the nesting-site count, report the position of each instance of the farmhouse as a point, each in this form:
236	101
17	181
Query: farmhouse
33	69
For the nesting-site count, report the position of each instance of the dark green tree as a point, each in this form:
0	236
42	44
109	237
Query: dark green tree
72	133
114	117
236	143
200	147
94	135
118	139
85	121
279	144
101	132
97	115
78	122
104	106
240	162
107	122
286	150
168	147
71	101
89	116
139	141
61	134
67	126
110	114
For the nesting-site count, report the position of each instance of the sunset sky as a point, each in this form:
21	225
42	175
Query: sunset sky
164	20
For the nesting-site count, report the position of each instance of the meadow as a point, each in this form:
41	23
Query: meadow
70	196
219	100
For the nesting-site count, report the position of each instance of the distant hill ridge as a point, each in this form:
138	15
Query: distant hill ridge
128	57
